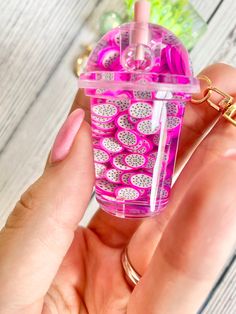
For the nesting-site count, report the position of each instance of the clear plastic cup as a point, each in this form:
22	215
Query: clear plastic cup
137	94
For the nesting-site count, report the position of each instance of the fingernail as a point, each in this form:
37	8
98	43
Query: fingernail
66	136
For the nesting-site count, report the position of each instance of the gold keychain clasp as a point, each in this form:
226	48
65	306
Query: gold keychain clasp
230	114
226	106
223	104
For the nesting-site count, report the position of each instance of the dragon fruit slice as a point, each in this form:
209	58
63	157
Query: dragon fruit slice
99	133
170	39
163	193
100	156
118	162
128	137
156	139
146	127
141	180
113	175
109	58
172	108
105	110
150	163
139	149
122	102
142	94
116	39
125	177
123	122
105	187
108	126
173	123
140	110
111	145
99	170
135	160
99	119
135	148
127	193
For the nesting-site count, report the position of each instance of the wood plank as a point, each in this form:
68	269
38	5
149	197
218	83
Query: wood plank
218	39
223	298
35	34
228	52
91	210
205	8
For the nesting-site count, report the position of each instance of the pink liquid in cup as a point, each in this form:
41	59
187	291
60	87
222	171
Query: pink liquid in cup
137	108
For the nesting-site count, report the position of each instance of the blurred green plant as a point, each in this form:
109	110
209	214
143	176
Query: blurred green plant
108	21
179	16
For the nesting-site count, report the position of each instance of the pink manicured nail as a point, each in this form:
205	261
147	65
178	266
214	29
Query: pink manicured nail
66	135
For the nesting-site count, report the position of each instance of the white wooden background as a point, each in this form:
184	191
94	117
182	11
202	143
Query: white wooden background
39	41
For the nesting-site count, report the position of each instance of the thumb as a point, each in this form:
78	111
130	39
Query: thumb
41	228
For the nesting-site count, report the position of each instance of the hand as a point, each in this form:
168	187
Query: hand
50	265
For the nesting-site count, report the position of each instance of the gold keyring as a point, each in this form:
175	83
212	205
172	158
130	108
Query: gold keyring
207	93
226	106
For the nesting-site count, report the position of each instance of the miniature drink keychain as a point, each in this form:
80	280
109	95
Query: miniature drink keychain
138	78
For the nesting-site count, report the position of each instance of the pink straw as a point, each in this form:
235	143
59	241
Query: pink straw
141	15
142	11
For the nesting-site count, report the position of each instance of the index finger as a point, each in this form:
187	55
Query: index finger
197	121
201	235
